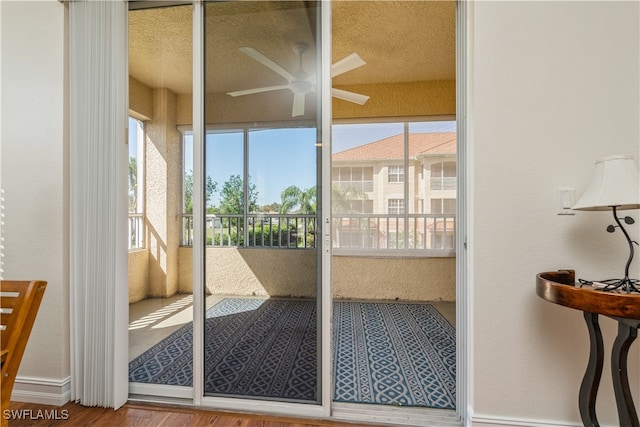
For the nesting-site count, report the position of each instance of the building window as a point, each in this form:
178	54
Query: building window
443	176
443	206
395	206
356	206
353	180
396	173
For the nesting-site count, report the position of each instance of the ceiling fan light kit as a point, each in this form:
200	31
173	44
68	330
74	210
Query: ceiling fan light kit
301	84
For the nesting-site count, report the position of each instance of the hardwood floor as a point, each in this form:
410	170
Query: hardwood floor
144	415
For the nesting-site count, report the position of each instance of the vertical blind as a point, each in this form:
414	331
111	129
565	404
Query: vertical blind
98	203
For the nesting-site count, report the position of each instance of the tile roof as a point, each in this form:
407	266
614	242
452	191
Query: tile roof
393	147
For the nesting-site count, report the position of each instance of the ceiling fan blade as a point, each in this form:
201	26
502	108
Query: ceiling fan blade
258	56
257	90
298	105
347	63
349	96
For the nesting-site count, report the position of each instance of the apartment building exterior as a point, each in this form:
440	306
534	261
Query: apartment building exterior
384	199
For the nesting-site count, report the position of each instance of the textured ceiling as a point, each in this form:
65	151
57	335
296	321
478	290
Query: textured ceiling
401	41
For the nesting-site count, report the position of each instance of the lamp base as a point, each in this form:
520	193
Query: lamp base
627	285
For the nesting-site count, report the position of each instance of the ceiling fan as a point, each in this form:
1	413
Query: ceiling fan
300	84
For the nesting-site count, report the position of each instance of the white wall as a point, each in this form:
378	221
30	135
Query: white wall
34	181
554	87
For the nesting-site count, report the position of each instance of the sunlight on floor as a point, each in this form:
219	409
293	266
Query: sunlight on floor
162	314
153	319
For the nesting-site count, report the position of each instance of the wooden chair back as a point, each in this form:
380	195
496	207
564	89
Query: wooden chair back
19	303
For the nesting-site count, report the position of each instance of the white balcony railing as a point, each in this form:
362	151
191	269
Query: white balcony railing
444	183
263	230
394	232
430	232
136	231
358	187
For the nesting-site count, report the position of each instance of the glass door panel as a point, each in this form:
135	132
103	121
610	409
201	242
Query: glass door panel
393	163
160	294
261	262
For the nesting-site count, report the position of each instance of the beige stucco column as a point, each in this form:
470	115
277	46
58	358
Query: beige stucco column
163	194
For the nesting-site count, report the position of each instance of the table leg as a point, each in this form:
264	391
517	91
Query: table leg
627	333
591	379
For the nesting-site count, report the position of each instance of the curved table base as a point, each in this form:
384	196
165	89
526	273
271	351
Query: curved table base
591	379
627	333
559	287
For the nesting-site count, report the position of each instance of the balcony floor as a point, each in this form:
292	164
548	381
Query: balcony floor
153	319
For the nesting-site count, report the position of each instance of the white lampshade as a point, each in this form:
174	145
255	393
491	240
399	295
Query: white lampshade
614	183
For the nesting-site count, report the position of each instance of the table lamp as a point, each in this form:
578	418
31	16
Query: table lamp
614	185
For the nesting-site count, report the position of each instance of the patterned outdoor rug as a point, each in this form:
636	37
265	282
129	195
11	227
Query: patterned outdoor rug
394	354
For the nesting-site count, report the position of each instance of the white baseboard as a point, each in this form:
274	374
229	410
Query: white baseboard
489	421
394	415
44	391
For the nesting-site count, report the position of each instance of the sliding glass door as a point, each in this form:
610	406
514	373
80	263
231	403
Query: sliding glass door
322	270
261	280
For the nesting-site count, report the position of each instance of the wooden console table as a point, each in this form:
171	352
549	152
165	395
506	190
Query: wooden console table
560	288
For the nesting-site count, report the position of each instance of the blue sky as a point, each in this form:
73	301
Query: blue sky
279	158
132	136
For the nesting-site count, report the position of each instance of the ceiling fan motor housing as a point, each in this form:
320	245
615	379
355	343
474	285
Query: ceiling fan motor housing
300	83
301	86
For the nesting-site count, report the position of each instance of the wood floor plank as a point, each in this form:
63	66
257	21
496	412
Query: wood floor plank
142	415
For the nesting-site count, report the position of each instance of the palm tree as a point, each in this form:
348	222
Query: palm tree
133	184
343	198
304	200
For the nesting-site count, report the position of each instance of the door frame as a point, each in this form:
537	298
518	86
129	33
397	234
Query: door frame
464	249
